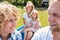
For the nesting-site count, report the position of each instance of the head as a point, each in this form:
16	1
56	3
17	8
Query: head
52	1
34	14
29	7
8	16
54	16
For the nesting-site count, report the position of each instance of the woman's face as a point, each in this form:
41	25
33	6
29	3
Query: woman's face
29	9
9	26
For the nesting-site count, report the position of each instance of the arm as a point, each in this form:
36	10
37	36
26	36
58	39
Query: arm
36	25
37	35
35	28
24	26
24	21
24	18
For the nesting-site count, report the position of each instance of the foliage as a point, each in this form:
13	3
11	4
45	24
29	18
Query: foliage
23	2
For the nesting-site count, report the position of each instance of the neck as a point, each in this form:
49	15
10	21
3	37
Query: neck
33	19
28	15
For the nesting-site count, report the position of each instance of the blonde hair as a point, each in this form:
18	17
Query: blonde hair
5	9
29	3
35	12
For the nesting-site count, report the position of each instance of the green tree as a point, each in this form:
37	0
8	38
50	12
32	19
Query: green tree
37	2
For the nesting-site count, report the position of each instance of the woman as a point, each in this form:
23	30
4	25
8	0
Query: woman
27	15
8	17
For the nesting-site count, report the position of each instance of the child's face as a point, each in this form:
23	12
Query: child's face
34	15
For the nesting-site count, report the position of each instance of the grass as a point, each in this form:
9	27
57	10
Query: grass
43	16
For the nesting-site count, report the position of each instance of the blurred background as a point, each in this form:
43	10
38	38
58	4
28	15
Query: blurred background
40	5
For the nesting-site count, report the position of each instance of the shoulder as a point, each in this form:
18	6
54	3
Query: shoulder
16	32
24	15
41	33
36	35
16	35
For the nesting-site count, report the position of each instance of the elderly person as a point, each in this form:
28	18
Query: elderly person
52	32
8	17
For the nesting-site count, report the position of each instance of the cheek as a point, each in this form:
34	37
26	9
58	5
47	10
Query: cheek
49	19
57	20
14	24
29	9
35	16
6	29
7	26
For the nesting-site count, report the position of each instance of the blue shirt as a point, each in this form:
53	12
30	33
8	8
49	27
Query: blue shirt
14	36
43	34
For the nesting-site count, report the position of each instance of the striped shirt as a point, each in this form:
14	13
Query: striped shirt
14	36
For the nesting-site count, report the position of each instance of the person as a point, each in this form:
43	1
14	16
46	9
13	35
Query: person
26	17
51	32
33	26
8	17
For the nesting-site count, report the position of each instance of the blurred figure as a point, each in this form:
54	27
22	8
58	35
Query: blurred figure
51	32
8	17
27	15
33	26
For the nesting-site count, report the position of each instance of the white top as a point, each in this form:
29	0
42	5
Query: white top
43	34
33	23
28	20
